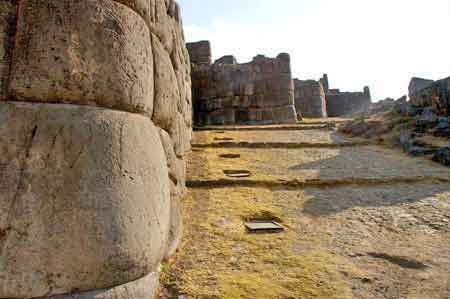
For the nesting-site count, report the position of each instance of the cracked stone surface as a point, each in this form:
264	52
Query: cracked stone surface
75	193
95	124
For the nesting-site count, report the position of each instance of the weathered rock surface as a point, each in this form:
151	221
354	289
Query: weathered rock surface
426	93
310	98
7	27
261	91
177	175
167	94
417	84
88	52
142	288
85	199
91	191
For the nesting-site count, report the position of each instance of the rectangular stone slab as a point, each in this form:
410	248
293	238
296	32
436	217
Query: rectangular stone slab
263	226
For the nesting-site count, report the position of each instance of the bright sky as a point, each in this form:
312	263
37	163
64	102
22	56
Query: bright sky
379	43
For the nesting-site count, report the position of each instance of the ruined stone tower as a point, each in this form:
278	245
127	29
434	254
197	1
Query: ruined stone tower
95	121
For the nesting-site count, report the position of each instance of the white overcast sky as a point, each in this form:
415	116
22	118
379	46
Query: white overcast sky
379	43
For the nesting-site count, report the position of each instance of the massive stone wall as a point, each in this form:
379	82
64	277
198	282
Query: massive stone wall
428	93
310	98
345	103
95	121
258	92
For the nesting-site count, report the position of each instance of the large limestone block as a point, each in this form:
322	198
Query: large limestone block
89	52
167	94
181	135
142	288
161	16
176	221
85	198
7	26
177	175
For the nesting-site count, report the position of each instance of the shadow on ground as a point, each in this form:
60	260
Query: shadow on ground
324	202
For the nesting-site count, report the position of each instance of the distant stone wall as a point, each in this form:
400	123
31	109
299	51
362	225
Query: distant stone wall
95	122
258	92
200	52
434	94
346	103
310	98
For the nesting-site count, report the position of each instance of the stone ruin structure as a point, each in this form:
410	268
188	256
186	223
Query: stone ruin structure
429	93
225	92
95	121
200	52
345	103
310	98
315	99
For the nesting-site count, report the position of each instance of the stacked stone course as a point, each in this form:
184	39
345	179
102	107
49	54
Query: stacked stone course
95	122
315	99
310	98
258	92
345	103
200	52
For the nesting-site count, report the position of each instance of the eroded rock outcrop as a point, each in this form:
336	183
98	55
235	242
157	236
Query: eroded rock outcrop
433	94
258	92
95	121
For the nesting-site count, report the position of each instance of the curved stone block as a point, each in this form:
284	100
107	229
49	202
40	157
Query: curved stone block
162	17
143	288
181	135
176	222
89	52
85	199
167	95
177	175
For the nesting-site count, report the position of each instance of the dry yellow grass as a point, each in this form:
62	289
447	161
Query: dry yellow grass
219	259
318	256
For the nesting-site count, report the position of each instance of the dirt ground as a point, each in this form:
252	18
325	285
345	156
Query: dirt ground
360	221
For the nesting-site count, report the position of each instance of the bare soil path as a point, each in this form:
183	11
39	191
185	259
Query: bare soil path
362	221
